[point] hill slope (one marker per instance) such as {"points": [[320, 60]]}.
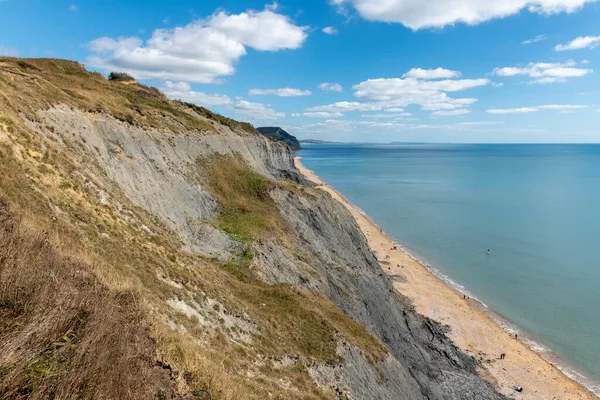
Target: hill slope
{"points": [[186, 252], [281, 135]]}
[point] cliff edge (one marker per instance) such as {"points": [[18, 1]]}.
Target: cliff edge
{"points": [[281, 135]]}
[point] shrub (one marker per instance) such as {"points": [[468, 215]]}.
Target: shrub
{"points": [[120, 77]]}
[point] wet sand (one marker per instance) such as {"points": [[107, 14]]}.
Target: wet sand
{"points": [[471, 328]]}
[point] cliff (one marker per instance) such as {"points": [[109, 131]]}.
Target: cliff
{"points": [[151, 248], [281, 135]]}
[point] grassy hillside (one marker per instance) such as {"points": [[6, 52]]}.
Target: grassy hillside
{"points": [[32, 84], [100, 301]]}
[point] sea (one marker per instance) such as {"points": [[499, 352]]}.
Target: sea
{"points": [[535, 207]]}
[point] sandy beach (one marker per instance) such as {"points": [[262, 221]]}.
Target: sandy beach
{"points": [[472, 329]]}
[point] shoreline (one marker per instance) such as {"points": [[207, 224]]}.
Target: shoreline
{"points": [[474, 328]]}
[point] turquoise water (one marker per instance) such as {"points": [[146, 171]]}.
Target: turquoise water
{"points": [[537, 207]]}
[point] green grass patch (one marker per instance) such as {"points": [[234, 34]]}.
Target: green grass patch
{"points": [[291, 324], [238, 238], [302, 323], [247, 210], [41, 368]]}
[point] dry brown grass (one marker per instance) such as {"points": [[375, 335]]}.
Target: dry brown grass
{"points": [[203, 368], [62, 333]]}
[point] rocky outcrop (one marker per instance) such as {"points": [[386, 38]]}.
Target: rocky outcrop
{"points": [[281, 135]]}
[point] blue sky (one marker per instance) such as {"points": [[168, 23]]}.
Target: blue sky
{"points": [[345, 70]]}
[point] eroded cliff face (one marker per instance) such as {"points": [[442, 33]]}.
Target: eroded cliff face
{"points": [[349, 274], [251, 282], [160, 173]]}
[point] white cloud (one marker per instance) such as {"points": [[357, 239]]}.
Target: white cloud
{"points": [[256, 111], [392, 94], [331, 87], [263, 31], [389, 89], [547, 80], [545, 72], [273, 6], [319, 114], [183, 91], [7, 51], [345, 106], [330, 125], [438, 73], [478, 123], [201, 51], [448, 104], [581, 42], [525, 110], [394, 88], [461, 126], [562, 107], [73, 7], [418, 14], [521, 110], [536, 39], [330, 30], [284, 92], [430, 95], [106, 44], [451, 113], [351, 126], [387, 115]]}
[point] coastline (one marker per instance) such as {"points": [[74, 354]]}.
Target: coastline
{"points": [[473, 327]]}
